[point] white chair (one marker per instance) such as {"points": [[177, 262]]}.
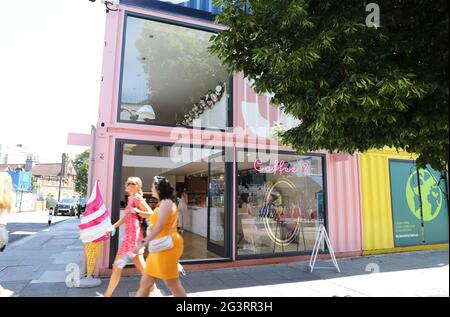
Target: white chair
{"points": [[250, 231]]}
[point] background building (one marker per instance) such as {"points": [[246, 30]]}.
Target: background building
{"points": [[47, 179], [34, 183]]}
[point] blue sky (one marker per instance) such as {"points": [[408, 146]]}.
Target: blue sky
{"points": [[50, 70]]}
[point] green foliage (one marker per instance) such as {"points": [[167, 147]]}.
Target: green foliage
{"points": [[354, 88], [81, 165], [33, 182]]}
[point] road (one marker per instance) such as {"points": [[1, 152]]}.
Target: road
{"points": [[25, 224]]}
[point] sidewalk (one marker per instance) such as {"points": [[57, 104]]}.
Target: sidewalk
{"points": [[35, 266], [27, 223]]}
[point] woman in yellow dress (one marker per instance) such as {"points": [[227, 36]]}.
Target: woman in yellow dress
{"points": [[163, 265]]}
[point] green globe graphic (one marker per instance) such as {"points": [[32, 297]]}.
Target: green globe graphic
{"points": [[431, 195]]}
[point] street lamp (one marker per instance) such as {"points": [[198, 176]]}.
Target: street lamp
{"points": [[61, 174]]}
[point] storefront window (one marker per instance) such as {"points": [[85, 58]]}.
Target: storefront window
{"points": [[280, 203], [169, 78], [198, 176]]}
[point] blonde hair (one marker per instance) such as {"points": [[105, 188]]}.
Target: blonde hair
{"points": [[138, 181], [6, 193]]}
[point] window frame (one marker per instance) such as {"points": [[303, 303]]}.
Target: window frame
{"points": [[325, 205], [117, 183], [229, 111], [172, 8]]}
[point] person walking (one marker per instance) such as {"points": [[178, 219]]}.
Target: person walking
{"points": [[163, 263], [6, 203], [136, 209], [50, 216], [244, 204]]}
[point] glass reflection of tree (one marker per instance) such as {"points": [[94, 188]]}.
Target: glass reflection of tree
{"points": [[180, 59]]}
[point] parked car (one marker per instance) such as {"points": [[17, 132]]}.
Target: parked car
{"points": [[67, 206]]}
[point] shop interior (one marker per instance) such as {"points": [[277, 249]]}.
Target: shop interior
{"points": [[170, 78], [193, 177], [297, 208]]}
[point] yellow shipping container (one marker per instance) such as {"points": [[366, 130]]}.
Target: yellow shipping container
{"points": [[376, 202]]}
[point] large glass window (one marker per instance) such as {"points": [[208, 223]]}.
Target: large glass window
{"points": [[169, 78], [280, 202], [198, 176]]}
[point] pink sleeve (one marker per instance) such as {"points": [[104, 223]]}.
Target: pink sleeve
{"points": [[137, 199]]}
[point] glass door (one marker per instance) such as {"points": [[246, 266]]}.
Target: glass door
{"points": [[217, 203]]}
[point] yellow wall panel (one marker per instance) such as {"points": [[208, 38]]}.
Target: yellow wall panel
{"points": [[376, 197]]}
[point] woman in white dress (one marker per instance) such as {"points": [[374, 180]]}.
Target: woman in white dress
{"points": [[182, 198]]}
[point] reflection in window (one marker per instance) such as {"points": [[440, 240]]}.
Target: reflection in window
{"points": [[169, 77], [280, 203]]}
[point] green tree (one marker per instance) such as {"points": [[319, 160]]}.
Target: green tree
{"points": [[81, 165], [353, 87], [34, 182]]}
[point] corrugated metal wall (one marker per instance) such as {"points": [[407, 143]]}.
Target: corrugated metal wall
{"points": [[252, 112], [344, 206], [376, 198], [256, 116]]}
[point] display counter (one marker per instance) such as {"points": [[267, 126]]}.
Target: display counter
{"points": [[197, 222]]}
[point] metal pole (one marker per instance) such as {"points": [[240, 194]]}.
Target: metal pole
{"points": [[420, 200], [446, 180], [91, 165], [61, 174], [21, 197]]}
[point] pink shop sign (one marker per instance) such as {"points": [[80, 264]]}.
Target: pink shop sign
{"points": [[280, 167]]}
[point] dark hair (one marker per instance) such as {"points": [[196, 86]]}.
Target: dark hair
{"points": [[165, 191], [243, 199], [274, 197]]}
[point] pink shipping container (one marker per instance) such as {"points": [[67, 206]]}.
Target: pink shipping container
{"points": [[240, 212]]}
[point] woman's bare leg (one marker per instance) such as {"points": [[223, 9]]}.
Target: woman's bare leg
{"points": [[139, 262], [175, 287], [145, 286], [114, 281]]}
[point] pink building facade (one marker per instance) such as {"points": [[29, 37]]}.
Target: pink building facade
{"points": [[167, 107]]}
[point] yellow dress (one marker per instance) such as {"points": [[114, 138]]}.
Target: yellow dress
{"points": [[164, 264]]}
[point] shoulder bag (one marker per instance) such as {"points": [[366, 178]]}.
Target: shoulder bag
{"points": [[164, 243]]}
